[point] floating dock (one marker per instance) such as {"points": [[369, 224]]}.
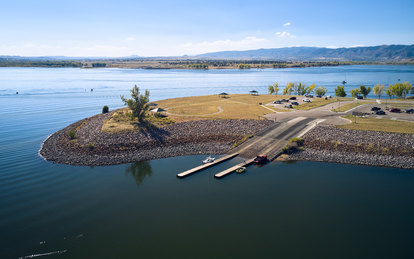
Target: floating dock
{"points": [[232, 169], [202, 167]]}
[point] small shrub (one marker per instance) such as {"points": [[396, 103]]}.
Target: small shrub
{"points": [[72, 134], [285, 150], [298, 141], [105, 109]]}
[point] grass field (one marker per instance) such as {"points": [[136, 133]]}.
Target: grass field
{"points": [[318, 102], [237, 106], [374, 124], [346, 107]]}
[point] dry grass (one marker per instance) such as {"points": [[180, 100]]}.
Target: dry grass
{"points": [[373, 124], [346, 107], [236, 106], [120, 121], [318, 102]]}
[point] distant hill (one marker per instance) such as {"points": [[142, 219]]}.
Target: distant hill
{"points": [[376, 53]]}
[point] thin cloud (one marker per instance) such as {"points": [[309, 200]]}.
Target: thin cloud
{"points": [[285, 34], [129, 38], [286, 24]]}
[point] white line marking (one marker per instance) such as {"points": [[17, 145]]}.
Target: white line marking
{"points": [[296, 120], [268, 108]]}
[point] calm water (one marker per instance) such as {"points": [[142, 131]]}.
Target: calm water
{"points": [[305, 209]]}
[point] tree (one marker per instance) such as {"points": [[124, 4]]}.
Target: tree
{"points": [[138, 103], [320, 91], [288, 89], [310, 89], [378, 90], [364, 90], [354, 92], [274, 88], [389, 91], [401, 89], [340, 91], [271, 89], [407, 88]]}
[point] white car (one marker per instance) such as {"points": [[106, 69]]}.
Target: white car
{"points": [[306, 100], [288, 105]]}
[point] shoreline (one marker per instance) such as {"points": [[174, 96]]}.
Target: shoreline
{"points": [[372, 148], [185, 138], [92, 147]]}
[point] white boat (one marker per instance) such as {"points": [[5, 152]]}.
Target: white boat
{"points": [[208, 160]]}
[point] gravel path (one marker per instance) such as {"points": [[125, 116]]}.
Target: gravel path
{"points": [[330, 144], [186, 138]]}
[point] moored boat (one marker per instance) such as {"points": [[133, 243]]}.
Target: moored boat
{"points": [[208, 160]]}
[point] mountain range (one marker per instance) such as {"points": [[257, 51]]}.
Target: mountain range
{"points": [[386, 53], [375, 53]]}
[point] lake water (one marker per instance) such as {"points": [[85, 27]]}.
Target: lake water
{"points": [[303, 209]]}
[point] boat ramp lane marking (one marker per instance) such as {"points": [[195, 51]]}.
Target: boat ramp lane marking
{"points": [[295, 120], [201, 167]]}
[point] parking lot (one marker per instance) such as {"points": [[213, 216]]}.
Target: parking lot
{"points": [[388, 115]]}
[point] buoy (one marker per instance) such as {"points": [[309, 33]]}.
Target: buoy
{"points": [[17, 92]]}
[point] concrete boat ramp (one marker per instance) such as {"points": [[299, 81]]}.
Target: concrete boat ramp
{"points": [[269, 142]]}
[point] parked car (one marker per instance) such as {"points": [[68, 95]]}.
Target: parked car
{"points": [[309, 96], [409, 111], [394, 110], [295, 103], [319, 96], [360, 97], [284, 100], [292, 98], [306, 100], [277, 102], [260, 159], [329, 96], [288, 105], [375, 108], [380, 112]]}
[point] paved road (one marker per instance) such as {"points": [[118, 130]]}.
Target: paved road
{"points": [[271, 141], [291, 124]]}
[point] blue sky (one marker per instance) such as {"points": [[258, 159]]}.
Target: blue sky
{"points": [[167, 28]]}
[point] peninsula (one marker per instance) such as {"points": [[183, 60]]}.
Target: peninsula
{"points": [[217, 124]]}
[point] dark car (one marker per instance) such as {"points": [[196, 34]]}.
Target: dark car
{"points": [[360, 97], [319, 96], [409, 111], [277, 102], [380, 112], [375, 108], [284, 100], [260, 159], [294, 103], [395, 110], [292, 98]]}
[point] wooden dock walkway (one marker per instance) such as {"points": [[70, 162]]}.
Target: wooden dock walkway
{"points": [[202, 167], [232, 169]]}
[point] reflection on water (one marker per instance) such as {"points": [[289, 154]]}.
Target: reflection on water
{"points": [[139, 170]]}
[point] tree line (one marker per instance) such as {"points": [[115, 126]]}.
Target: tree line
{"points": [[399, 90]]}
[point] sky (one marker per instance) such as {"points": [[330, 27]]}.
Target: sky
{"points": [[172, 28]]}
